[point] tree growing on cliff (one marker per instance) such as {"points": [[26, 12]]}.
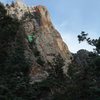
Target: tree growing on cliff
{"points": [[91, 70], [14, 66], [93, 42]]}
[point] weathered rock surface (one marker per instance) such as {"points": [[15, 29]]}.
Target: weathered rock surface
{"points": [[82, 57], [41, 36]]}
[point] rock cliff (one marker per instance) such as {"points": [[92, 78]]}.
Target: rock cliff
{"points": [[42, 41]]}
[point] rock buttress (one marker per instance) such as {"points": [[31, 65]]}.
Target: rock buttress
{"points": [[41, 38]]}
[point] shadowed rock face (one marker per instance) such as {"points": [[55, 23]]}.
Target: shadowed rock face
{"points": [[40, 34]]}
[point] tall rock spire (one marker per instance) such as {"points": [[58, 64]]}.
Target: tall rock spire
{"points": [[20, 3], [18, 0]]}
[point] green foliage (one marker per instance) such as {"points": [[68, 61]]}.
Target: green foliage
{"points": [[8, 26], [31, 38], [97, 61], [92, 42], [57, 65], [93, 68], [55, 83], [14, 67], [85, 78], [82, 37], [83, 82], [14, 72], [2, 11]]}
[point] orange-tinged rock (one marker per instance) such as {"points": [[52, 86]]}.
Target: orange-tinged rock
{"points": [[35, 21]]}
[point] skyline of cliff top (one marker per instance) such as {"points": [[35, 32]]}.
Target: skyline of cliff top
{"points": [[70, 18]]}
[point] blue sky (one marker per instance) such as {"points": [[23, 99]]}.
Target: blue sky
{"points": [[70, 17]]}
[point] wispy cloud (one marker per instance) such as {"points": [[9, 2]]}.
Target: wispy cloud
{"points": [[63, 24]]}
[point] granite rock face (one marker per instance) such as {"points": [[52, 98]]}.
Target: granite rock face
{"points": [[42, 40]]}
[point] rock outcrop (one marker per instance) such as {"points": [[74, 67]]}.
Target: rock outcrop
{"points": [[82, 57], [42, 40]]}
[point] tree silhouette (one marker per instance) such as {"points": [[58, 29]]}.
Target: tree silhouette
{"points": [[92, 42]]}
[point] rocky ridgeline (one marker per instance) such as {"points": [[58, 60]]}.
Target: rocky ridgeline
{"points": [[41, 37]]}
